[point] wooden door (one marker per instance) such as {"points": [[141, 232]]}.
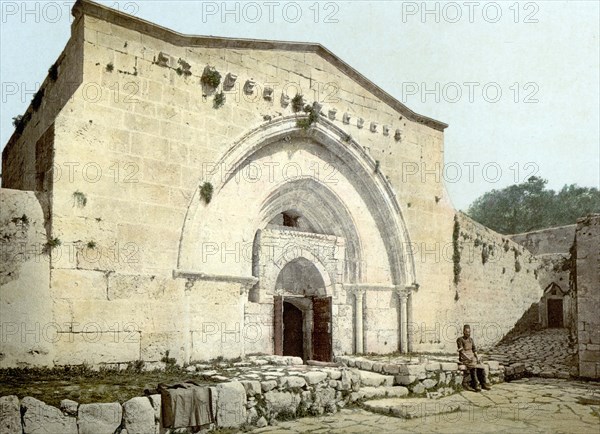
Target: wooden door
{"points": [[321, 335], [278, 325]]}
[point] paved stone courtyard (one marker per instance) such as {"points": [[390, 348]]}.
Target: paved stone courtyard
{"points": [[545, 353], [527, 405]]}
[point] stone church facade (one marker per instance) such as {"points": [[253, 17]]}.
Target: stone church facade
{"points": [[148, 212]]}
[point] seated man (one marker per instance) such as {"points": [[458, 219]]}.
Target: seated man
{"points": [[467, 355]]}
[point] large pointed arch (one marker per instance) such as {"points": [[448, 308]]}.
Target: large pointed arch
{"points": [[375, 189]]}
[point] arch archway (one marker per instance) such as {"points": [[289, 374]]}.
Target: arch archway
{"points": [[374, 190]]}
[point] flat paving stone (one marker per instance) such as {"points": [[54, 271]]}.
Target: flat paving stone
{"points": [[578, 412]]}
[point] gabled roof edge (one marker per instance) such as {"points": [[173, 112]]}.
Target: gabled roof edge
{"points": [[88, 7]]}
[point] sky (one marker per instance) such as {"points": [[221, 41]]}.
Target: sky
{"points": [[517, 82]]}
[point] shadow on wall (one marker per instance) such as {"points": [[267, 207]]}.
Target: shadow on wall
{"points": [[528, 322]]}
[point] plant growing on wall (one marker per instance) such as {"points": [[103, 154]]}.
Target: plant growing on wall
{"points": [[219, 100], [110, 67], [206, 192], [53, 72], [484, 254], [20, 122], [210, 77], [36, 102], [91, 244], [311, 119], [456, 250], [79, 199], [297, 103], [23, 220], [51, 244]]}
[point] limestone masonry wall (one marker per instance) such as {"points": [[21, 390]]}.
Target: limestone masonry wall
{"points": [[25, 298], [495, 283], [125, 137], [587, 240]]}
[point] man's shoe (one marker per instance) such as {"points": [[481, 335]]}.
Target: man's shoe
{"points": [[468, 388], [486, 386], [477, 389]]}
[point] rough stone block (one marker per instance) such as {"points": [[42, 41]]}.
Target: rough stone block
{"points": [[69, 407], [429, 383], [418, 389], [138, 416], [39, 417], [229, 404], [99, 418], [418, 370], [294, 381], [368, 378], [432, 366], [314, 377], [367, 365], [494, 366], [252, 387], [281, 401], [268, 385], [10, 416], [391, 368], [405, 379]]}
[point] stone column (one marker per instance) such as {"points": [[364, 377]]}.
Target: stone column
{"points": [[402, 296], [409, 321], [358, 320]]}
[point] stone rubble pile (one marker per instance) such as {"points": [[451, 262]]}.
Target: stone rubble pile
{"points": [[260, 391], [432, 376]]}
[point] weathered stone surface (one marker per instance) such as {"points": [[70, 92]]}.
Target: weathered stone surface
{"points": [[281, 401], [373, 379], [39, 418], [379, 392], [229, 404], [334, 374], [69, 407], [405, 379], [366, 365], [391, 368], [155, 400], [446, 366], [314, 377], [429, 383], [418, 388], [417, 370], [138, 416], [252, 387], [268, 385], [10, 416], [99, 418], [294, 381], [432, 366]]}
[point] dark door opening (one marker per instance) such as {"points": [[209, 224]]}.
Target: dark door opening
{"points": [[293, 341], [555, 313]]}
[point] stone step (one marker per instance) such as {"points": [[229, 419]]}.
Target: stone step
{"points": [[379, 392], [410, 408], [368, 378]]}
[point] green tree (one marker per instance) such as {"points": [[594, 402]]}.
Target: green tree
{"points": [[530, 206]]}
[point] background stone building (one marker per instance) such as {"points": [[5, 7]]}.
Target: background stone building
{"points": [[146, 210]]}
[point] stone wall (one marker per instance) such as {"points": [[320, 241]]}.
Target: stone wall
{"points": [[494, 284], [547, 241], [587, 241], [553, 248], [138, 135], [27, 327]]}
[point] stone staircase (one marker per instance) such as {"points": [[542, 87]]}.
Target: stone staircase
{"points": [[433, 376]]}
